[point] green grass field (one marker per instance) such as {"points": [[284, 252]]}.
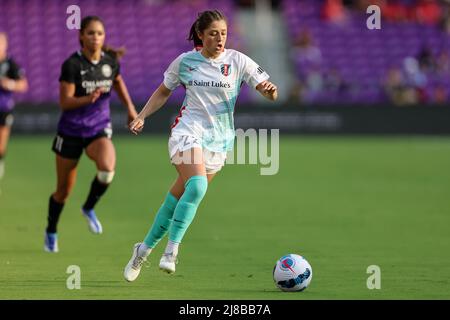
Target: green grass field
{"points": [[344, 203]]}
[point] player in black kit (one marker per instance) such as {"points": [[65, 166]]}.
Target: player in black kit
{"points": [[86, 80], [12, 79]]}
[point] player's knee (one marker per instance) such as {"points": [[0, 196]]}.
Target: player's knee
{"points": [[105, 177], [196, 187]]}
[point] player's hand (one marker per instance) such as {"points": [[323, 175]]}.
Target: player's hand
{"points": [[268, 89], [136, 125], [95, 95]]}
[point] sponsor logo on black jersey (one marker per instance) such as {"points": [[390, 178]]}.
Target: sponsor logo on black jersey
{"points": [[90, 86]]}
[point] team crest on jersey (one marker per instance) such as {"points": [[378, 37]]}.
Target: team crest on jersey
{"points": [[225, 69], [106, 70]]}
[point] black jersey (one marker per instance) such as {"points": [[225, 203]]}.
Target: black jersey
{"points": [[8, 69], [88, 76], [88, 120]]}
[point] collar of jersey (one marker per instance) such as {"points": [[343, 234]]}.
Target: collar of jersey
{"points": [[219, 59], [102, 54]]}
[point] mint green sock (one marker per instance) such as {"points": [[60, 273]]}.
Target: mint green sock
{"points": [[162, 221], [194, 191]]}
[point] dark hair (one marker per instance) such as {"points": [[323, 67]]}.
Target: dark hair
{"points": [[85, 22], [202, 23]]}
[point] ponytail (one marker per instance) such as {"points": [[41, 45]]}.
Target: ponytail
{"points": [[193, 35], [117, 53]]}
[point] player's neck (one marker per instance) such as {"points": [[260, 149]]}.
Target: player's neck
{"points": [[3, 56], [91, 55], [208, 55]]}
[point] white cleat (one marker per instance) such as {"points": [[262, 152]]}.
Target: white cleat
{"points": [[168, 262], [134, 266]]}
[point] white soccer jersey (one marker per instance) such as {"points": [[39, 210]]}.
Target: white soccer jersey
{"points": [[212, 87]]}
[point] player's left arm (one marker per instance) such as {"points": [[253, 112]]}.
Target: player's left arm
{"points": [[124, 96], [256, 77], [268, 90]]}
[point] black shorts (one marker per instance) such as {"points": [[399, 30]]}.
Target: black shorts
{"points": [[72, 147], [6, 119]]}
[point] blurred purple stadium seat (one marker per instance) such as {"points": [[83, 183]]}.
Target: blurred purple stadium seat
{"points": [[153, 34], [361, 56]]}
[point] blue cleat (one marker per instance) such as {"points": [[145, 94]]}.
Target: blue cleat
{"points": [[94, 224], [51, 242]]}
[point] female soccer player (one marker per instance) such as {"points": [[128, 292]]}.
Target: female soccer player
{"points": [[12, 79], [87, 77], [201, 134]]}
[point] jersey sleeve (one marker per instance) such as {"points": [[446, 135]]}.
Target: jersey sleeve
{"points": [[68, 72], [15, 72], [253, 74], [172, 74], [115, 63]]}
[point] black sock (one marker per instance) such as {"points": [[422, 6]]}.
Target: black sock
{"points": [[54, 210], [97, 190]]}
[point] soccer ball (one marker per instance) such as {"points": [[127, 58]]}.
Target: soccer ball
{"points": [[292, 273]]}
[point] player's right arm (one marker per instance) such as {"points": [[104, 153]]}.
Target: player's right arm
{"points": [[68, 101], [156, 101]]}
